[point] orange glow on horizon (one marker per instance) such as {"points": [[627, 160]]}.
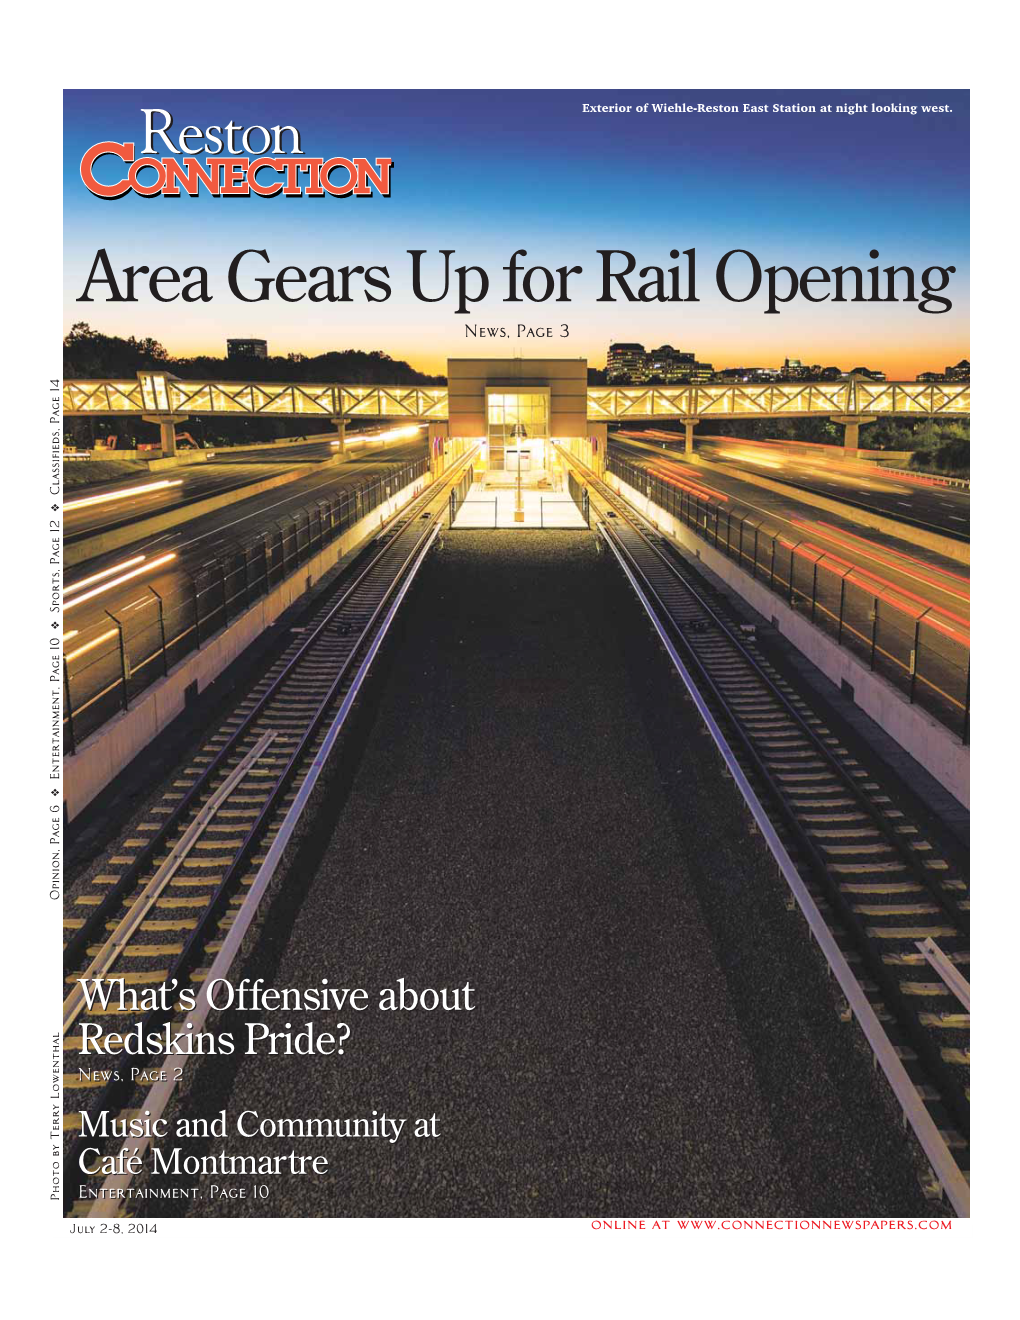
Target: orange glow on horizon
{"points": [[899, 362]]}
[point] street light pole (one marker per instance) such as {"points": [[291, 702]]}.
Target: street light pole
{"points": [[519, 434]]}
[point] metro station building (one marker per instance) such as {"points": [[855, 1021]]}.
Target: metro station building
{"points": [[516, 406]]}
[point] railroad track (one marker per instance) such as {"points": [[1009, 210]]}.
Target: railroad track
{"points": [[175, 902], [895, 906]]}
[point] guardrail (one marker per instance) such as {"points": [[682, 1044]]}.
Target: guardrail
{"points": [[924, 656], [110, 665], [932, 478]]}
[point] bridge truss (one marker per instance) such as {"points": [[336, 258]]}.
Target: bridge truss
{"points": [[160, 394]]}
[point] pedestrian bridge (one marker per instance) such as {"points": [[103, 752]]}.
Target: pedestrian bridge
{"points": [[158, 395]]}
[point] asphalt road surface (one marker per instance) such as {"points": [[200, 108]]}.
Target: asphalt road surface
{"points": [[911, 499], [192, 545], [917, 577], [528, 805], [85, 513]]}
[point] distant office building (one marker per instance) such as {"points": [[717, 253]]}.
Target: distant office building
{"points": [[869, 372], [626, 362], [960, 374], [666, 365], [672, 367], [746, 375], [247, 348], [795, 369]]}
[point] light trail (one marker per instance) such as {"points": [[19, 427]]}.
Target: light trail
{"points": [[836, 533], [399, 432], [736, 455], [705, 492], [107, 572], [116, 582], [395, 433], [864, 547], [89, 646], [855, 570], [89, 500]]}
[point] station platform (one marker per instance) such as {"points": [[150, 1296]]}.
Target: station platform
{"points": [[492, 506]]}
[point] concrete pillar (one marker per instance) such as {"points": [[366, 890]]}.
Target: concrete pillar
{"points": [[598, 436], [341, 430], [851, 433], [689, 426], [167, 431]]}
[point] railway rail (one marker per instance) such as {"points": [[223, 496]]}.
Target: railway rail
{"points": [[887, 905], [914, 643], [175, 904]]}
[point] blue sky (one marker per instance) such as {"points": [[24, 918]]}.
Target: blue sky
{"points": [[488, 172]]}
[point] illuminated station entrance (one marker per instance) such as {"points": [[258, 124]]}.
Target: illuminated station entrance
{"points": [[520, 410], [518, 430]]}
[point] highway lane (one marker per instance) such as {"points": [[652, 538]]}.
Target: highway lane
{"points": [[92, 509], [911, 499], [124, 589], [914, 577]]}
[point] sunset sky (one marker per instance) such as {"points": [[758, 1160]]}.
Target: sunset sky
{"points": [[486, 173]]}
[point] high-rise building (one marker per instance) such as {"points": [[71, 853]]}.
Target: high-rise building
{"points": [[664, 362], [626, 362], [247, 348]]}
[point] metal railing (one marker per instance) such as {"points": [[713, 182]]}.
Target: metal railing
{"points": [[110, 664], [928, 478], [924, 655], [579, 494], [161, 392]]}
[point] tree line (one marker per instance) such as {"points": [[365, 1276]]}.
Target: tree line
{"points": [[91, 355]]}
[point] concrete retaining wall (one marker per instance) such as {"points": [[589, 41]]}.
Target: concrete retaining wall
{"points": [[186, 458], [918, 733], [101, 757], [275, 445], [810, 449]]}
